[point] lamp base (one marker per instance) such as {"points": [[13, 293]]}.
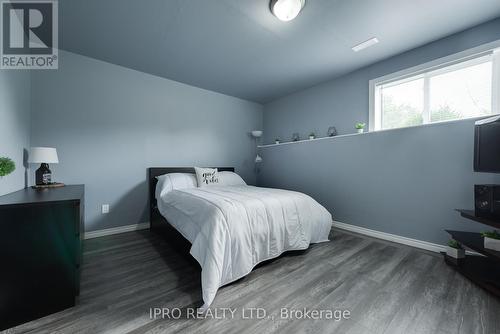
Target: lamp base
{"points": [[51, 185], [43, 175]]}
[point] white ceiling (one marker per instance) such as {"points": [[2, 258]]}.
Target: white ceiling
{"points": [[237, 47]]}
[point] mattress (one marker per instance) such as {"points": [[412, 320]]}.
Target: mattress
{"points": [[233, 228]]}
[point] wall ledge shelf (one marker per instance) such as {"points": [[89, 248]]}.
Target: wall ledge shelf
{"points": [[314, 140], [443, 123]]}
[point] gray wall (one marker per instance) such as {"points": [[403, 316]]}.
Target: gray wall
{"points": [[110, 123], [14, 125], [343, 102], [406, 182]]}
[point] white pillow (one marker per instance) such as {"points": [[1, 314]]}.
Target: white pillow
{"points": [[230, 179], [207, 176], [173, 181]]}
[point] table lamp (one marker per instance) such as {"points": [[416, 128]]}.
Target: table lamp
{"points": [[43, 156]]}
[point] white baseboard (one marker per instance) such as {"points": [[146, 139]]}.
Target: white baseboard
{"points": [[348, 227], [391, 237], [116, 230], [397, 239]]}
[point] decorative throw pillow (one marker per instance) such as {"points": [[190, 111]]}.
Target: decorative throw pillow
{"points": [[207, 176], [230, 179]]}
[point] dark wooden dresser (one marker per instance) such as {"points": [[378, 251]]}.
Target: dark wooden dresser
{"points": [[40, 252]]}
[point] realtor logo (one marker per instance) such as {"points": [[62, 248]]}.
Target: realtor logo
{"points": [[29, 36]]}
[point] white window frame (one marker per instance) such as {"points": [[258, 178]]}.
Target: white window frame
{"points": [[478, 55]]}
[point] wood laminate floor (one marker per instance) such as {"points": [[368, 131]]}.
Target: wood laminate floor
{"points": [[387, 288]]}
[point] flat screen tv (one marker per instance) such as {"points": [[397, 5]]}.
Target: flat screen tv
{"points": [[487, 145]]}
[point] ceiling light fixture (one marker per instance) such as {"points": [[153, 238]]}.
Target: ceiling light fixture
{"points": [[365, 44], [286, 10]]}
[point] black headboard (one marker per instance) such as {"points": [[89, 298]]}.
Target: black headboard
{"points": [[153, 172]]}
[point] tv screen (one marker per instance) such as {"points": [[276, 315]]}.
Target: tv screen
{"points": [[487, 145]]}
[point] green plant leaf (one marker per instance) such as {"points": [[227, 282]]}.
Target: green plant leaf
{"points": [[491, 235], [454, 244], [360, 126], [7, 166]]}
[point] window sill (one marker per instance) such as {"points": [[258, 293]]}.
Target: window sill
{"points": [[470, 119]]}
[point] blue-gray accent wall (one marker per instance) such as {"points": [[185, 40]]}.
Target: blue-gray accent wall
{"points": [[342, 102], [405, 182], [110, 123], [15, 109]]}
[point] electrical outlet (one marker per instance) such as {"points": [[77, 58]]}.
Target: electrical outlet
{"points": [[105, 208]]}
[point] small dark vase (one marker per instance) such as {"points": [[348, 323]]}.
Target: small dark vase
{"points": [[43, 175], [332, 131]]}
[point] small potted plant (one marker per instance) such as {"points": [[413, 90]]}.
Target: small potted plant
{"points": [[360, 127], [492, 240], [312, 136], [455, 250], [277, 141], [7, 166]]}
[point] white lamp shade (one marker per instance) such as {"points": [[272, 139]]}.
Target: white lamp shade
{"points": [[258, 159], [43, 155]]}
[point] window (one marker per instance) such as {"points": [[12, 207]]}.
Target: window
{"points": [[452, 90]]}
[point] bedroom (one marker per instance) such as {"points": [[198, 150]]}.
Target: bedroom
{"points": [[129, 92]]}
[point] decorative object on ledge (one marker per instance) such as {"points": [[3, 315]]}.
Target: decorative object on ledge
{"points": [[43, 156], [491, 240], [277, 141], [360, 127], [258, 159], [332, 131], [296, 136], [7, 166], [312, 136], [455, 252]]}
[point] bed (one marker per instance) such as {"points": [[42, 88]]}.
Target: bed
{"points": [[231, 229]]}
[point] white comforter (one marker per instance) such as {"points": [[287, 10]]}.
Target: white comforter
{"points": [[233, 228]]}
